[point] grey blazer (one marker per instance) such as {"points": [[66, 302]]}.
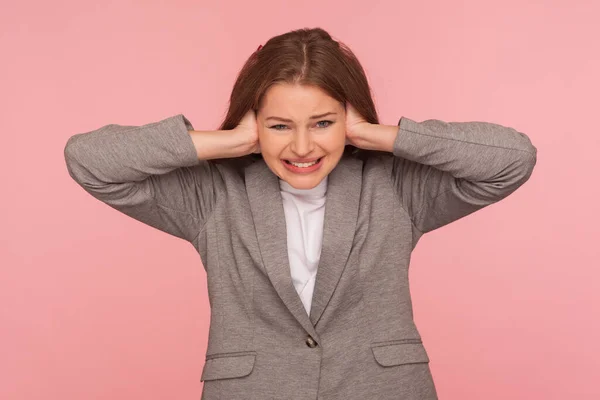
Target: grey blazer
{"points": [[359, 341]]}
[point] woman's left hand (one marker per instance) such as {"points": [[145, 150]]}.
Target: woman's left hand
{"points": [[354, 123]]}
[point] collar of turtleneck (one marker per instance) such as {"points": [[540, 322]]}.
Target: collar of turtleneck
{"points": [[316, 192]]}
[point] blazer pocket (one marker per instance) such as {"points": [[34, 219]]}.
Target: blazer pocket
{"points": [[228, 365], [398, 352]]}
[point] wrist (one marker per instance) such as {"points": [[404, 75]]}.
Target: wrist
{"points": [[240, 143], [375, 136], [219, 144]]}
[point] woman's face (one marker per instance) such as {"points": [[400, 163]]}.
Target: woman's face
{"points": [[287, 132]]}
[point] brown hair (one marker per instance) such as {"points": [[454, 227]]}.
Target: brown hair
{"points": [[307, 57]]}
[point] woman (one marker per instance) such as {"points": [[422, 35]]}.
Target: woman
{"points": [[305, 211]]}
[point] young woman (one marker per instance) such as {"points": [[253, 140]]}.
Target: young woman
{"points": [[305, 211]]}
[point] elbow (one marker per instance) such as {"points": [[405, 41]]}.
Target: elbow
{"points": [[511, 178], [520, 174], [528, 164], [72, 159], [529, 158], [69, 152], [70, 149]]}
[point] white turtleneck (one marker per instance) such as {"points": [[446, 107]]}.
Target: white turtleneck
{"points": [[304, 214]]}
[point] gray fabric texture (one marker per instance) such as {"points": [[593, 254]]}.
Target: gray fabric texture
{"points": [[377, 209]]}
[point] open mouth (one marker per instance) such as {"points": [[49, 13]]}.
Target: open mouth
{"points": [[303, 168], [304, 165]]}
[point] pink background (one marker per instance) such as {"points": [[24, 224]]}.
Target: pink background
{"points": [[95, 305]]}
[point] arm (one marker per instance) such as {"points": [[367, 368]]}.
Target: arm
{"points": [[152, 173], [443, 171]]}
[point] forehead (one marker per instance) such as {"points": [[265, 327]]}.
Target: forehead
{"points": [[287, 100]]}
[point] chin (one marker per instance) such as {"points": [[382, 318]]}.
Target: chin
{"points": [[305, 183]]}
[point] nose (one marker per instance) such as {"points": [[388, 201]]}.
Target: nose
{"points": [[302, 143]]}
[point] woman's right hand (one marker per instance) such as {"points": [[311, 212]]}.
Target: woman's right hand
{"points": [[237, 142], [248, 129]]}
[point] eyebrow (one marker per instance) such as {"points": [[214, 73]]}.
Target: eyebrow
{"points": [[313, 117]]}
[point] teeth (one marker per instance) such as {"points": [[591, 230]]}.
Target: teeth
{"points": [[304, 165]]}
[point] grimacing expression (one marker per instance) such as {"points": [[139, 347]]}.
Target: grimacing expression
{"points": [[287, 132]]}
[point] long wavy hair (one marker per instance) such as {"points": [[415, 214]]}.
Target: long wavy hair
{"points": [[306, 57]]}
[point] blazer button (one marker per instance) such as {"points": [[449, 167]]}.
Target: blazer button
{"points": [[310, 342]]}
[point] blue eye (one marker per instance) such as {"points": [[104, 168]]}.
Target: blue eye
{"points": [[329, 123]]}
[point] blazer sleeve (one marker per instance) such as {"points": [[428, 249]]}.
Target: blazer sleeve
{"points": [[443, 171], [151, 173]]}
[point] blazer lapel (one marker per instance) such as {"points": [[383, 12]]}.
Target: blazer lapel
{"points": [[341, 213], [266, 204]]}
